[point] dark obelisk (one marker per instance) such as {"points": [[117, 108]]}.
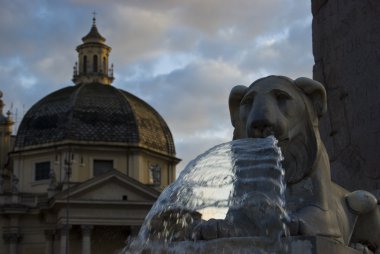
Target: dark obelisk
{"points": [[346, 47]]}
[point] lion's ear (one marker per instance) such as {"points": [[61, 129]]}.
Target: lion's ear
{"points": [[315, 91], [236, 95]]}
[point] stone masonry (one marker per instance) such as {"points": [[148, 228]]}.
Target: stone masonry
{"points": [[346, 38]]}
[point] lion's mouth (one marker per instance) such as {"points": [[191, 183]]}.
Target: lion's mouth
{"points": [[283, 143], [283, 140]]}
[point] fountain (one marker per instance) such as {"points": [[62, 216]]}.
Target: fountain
{"points": [[268, 190], [215, 195]]}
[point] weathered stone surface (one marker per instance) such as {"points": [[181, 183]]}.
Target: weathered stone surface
{"points": [[346, 37], [246, 245], [317, 245]]}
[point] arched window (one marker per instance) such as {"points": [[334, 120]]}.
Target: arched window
{"points": [[104, 65], [95, 64], [84, 64]]}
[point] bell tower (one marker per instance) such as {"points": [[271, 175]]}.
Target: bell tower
{"points": [[6, 124], [92, 65]]}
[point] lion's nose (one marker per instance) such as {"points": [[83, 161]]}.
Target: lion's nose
{"points": [[260, 129]]}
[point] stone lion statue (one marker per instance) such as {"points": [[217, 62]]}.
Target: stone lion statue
{"points": [[290, 110]]}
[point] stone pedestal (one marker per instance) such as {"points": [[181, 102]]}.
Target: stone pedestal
{"points": [[318, 245], [346, 37], [248, 245]]}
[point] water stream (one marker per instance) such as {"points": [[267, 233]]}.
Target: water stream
{"points": [[237, 186]]}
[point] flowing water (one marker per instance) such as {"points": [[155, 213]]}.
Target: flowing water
{"points": [[235, 189]]}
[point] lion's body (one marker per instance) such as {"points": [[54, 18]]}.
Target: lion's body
{"points": [[290, 110]]}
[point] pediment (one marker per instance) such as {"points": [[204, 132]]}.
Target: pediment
{"points": [[112, 186]]}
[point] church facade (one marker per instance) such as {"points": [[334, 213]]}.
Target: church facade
{"points": [[86, 165]]}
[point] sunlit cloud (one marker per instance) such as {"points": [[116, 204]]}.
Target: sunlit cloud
{"points": [[27, 82]]}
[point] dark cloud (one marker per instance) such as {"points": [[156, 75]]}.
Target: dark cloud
{"points": [[182, 57]]}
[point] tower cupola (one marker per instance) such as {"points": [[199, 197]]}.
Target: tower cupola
{"points": [[93, 64]]}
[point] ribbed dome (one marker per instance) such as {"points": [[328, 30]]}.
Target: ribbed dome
{"points": [[94, 113]]}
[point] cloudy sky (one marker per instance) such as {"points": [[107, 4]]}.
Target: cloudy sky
{"points": [[181, 56]]}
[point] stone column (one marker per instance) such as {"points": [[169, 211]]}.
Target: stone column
{"points": [[65, 230], [13, 240], [86, 239], [13, 243], [49, 245]]}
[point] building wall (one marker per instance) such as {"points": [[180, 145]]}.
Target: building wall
{"points": [[166, 168], [33, 235], [112, 217], [24, 170], [111, 227], [134, 163]]}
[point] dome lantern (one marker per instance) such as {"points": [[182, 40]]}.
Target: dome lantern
{"points": [[93, 54]]}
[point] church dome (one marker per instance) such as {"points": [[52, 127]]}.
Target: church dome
{"points": [[94, 113]]}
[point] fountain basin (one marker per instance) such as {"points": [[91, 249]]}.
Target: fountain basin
{"points": [[250, 245]]}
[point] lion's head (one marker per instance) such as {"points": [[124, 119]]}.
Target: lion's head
{"points": [[289, 110]]}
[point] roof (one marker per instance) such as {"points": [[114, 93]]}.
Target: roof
{"points": [[94, 113], [112, 198], [94, 35]]}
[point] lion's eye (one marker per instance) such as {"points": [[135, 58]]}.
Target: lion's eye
{"points": [[282, 96]]}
